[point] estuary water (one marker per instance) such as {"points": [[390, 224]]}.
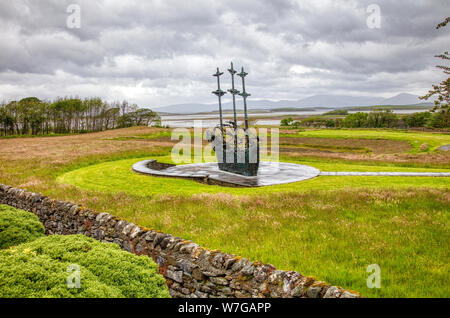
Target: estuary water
{"points": [[212, 119]]}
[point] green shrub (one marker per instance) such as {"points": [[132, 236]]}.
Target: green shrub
{"points": [[41, 268], [336, 112], [286, 121], [355, 120], [314, 121], [439, 119], [18, 226], [381, 118], [417, 119]]}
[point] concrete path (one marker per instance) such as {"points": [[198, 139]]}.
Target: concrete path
{"points": [[388, 174], [269, 173]]}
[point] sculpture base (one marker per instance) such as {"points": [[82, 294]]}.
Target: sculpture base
{"points": [[245, 169], [269, 173], [245, 162]]}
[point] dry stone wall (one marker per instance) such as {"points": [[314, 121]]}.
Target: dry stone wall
{"points": [[190, 270]]}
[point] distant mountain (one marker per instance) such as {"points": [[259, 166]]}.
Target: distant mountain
{"points": [[402, 99], [186, 108], [328, 101], [338, 101]]}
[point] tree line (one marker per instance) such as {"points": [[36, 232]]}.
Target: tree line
{"points": [[31, 116], [383, 118]]}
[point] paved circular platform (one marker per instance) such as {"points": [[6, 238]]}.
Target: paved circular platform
{"points": [[269, 173]]}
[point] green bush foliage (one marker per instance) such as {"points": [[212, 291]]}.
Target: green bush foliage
{"points": [[18, 226], [355, 120], [41, 268], [379, 118], [439, 119], [337, 112], [318, 121], [287, 121], [31, 116], [417, 119]]}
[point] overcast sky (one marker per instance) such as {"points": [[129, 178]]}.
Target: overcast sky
{"points": [[156, 53]]}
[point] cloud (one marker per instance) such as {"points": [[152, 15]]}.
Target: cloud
{"points": [[158, 52]]}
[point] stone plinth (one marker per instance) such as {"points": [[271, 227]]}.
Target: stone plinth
{"points": [[269, 173]]}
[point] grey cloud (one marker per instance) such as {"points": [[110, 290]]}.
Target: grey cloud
{"points": [[160, 52]]}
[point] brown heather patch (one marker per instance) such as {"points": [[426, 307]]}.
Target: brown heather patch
{"points": [[322, 206], [64, 149], [331, 200], [59, 151], [212, 200], [31, 182], [445, 197], [383, 197], [377, 146], [293, 214], [439, 160]]}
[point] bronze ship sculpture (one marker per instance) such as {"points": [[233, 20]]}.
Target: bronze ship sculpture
{"points": [[236, 148]]}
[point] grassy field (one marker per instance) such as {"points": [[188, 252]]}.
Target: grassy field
{"points": [[328, 227], [415, 139], [117, 176]]}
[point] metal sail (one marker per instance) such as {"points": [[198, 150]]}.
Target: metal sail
{"points": [[219, 93], [244, 95], [250, 163], [233, 91]]}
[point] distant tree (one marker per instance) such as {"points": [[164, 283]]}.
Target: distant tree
{"points": [[329, 123], [439, 119], [70, 115], [12, 109], [296, 124], [111, 117], [355, 120], [140, 117], [28, 112], [442, 90], [287, 121], [383, 118], [417, 119], [6, 122], [336, 112], [145, 117], [125, 120], [124, 107]]}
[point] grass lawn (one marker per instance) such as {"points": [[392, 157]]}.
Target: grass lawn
{"points": [[117, 176], [329, 227]]}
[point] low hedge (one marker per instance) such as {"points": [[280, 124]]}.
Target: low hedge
{"points": [[18, 226], [42, 267]]}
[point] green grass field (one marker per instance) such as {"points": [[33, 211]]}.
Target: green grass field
{"points": [[330, 234], [328, 227], [117, 176], [434, 140]]}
